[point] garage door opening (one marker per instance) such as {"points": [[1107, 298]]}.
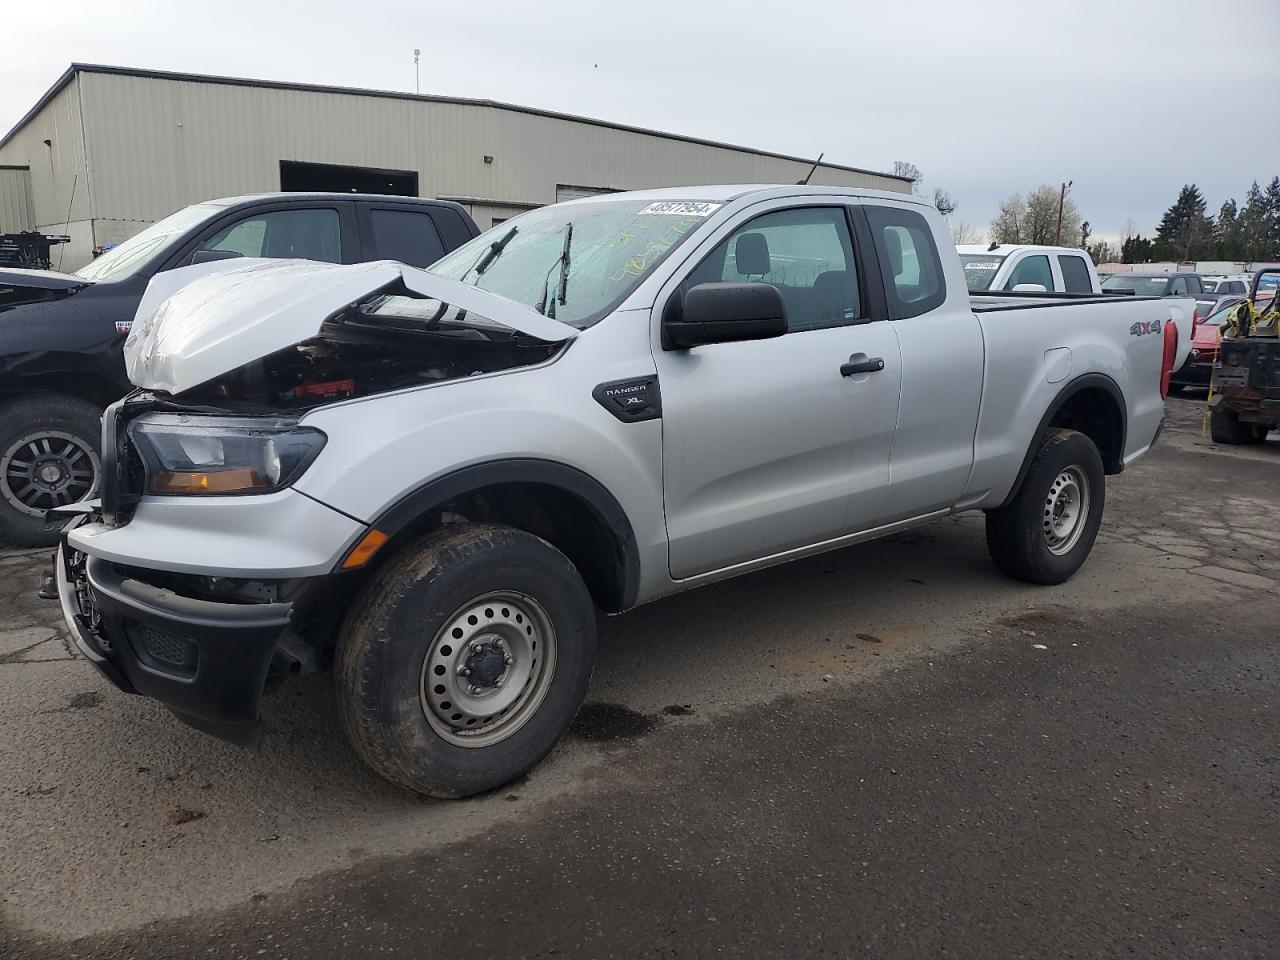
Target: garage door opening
{"points": [[299, 177]]}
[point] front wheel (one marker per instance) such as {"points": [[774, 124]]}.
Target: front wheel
{"points": [[48, 458], [465, 659], [1045, 533]]}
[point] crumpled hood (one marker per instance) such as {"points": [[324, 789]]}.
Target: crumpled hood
{"points": [[196, 323]]}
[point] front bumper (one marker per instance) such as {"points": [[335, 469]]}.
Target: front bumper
{"points": [[204, 660]]}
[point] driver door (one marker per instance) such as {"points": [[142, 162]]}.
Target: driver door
{"points": [[767, 446]]}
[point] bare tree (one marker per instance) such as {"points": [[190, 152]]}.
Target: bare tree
{"points": [[1007, 227], [942, 200], [965, 233], [901, 168]]}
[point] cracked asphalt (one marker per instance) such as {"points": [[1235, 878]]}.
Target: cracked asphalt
{"points": [[890, 751]]}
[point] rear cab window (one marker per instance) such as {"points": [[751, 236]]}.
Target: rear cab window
{"points": [[408, 236], [1075, 274], [909, 261]]}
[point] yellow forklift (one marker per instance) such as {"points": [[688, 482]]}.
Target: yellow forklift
{"points": [[1244, 396]]}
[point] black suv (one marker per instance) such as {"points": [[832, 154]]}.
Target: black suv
{"points": [[62, 335]]}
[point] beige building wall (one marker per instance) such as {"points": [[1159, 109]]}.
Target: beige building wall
{"points": [[152, 144]]}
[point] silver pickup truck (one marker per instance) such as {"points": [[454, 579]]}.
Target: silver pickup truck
{"points": [[430, 481]]}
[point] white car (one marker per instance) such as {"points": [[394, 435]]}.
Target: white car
{"points": [[1235, 284], [1027, 268]]}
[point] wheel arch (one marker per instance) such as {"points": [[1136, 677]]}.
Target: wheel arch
{"points": [[569, 509], [1092, 404]]}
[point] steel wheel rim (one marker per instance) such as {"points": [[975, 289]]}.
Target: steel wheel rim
{"points": [[488, 669], [46, 469], [1066, 511]]}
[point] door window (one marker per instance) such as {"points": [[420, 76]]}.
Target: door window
{"points": [[806, 253], [909, 262], [1179, 285], [407, 236], [301, 234], [1031, 270], [1075, 275]]}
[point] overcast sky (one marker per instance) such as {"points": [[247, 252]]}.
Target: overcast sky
{"points": [[1128, 99]]}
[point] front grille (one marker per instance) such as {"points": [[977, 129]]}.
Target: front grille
{"points": [[169, 648]]}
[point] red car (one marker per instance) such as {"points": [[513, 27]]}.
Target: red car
{"points": [[1206, 335]]}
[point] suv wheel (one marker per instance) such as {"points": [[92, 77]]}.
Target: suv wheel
{"points": [[465, 659], [48, 458], [1045, 533]]}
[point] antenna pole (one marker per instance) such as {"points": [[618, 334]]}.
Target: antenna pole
{"points": [[801, 183]]}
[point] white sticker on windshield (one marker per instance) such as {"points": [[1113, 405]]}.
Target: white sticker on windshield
{"points": [[681, 208], [994, 265]]}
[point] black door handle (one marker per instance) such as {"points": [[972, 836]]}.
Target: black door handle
{"points": [[868, 365]]}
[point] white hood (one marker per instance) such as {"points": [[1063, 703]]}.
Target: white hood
{"points": [[196, 323]]}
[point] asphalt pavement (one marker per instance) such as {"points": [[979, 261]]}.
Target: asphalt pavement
{"points": [[891, 751]]}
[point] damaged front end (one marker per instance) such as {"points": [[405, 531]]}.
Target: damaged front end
{"points": [[172, 586]]}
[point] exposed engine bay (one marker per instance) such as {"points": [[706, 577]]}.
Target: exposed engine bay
{"points": [[391, 342]]}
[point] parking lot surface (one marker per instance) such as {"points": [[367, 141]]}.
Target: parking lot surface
{"points": [[887, 751]]}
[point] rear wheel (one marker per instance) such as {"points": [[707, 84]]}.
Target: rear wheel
{"points": [[1045, 533], [464, 661], [48, 458], [1225, 426]]}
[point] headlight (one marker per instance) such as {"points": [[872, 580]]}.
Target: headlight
{"points": [[222, 455]]}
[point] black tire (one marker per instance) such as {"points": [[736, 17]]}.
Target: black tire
{"points": [[64, 423], [1019, 534], [395, 628], [1225, 426]]}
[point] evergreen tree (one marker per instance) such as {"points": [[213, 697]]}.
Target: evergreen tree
{"points": [[1254, 225], [1185, 233], [1136, 250], [1272, 200], [1226, 232]]}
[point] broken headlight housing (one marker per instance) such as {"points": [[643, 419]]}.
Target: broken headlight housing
{"points": [[196, 455]]}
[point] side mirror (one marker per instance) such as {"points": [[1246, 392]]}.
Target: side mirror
{"points": [[1030, 288], [212, 256], [723, 313]]}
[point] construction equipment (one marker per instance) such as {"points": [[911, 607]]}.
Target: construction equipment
{"points": [[28, 249], [1244, 396]]}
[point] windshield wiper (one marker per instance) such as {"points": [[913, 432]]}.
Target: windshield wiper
{"points": [[562, 262], [490, 254]]}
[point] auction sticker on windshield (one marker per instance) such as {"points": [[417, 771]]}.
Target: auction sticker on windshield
{"points": [[680, 208], [982, 265]]}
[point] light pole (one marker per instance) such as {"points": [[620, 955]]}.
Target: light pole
{"points": [[417, 88], [1062, 199]]}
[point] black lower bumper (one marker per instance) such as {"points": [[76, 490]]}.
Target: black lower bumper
{"points": [[206, 661]]}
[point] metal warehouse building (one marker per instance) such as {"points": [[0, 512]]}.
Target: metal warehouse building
{"points": [[109, 150]]}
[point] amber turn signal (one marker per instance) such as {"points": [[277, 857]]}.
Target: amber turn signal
{"points": [[365, 549], [243, 480]]}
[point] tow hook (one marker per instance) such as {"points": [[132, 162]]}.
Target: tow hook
{"points": [[48, 585]]}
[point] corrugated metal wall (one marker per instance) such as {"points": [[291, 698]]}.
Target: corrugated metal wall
{"points": [[58, 173], [17, 211], [159, 144]]}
